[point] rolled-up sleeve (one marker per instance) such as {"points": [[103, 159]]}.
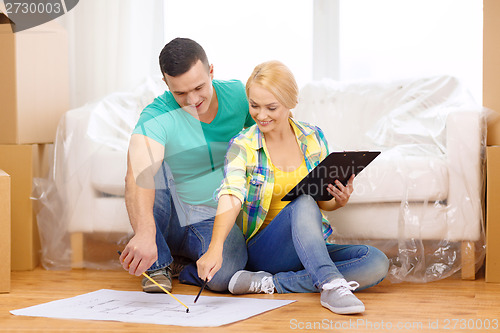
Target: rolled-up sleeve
{"points": [[323, 143], [235, 180]]}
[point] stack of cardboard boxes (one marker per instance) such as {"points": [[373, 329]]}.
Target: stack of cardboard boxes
{"points": [[4, 232], [34, 93], [491, 100]]}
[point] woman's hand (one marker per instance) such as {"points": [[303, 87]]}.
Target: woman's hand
{"points": [[209, 263], [227, 212], [341, 193]]}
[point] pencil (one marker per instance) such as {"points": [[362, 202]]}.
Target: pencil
{"points": [[199, 292], [165, 290]]}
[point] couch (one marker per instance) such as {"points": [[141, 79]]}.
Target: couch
{"points": [[419, 201], [85, 193]]}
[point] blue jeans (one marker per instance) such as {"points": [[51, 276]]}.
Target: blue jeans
{"points": [[186, 230], [292, 248]]}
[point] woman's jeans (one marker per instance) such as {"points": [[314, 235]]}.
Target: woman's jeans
{"points": [[292, 248], [186, 230]]}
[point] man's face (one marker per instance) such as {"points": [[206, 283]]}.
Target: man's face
{"points": [[192, 90]]}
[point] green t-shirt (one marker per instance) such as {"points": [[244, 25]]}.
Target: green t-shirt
{"points": [[195, 150]]}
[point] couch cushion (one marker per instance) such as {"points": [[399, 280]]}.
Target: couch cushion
{"points": [[393, 177], [376, 114], [391, 221], [108, 171], [102, 214]]}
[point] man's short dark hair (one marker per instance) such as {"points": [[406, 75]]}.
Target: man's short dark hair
{"points": [[179, 55]]}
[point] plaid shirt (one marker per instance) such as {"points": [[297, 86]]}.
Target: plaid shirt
{"points": [[249, 177]]}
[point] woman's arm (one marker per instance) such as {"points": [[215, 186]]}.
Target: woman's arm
{"points": [[341, 195], [227, 211], [231, 195]]}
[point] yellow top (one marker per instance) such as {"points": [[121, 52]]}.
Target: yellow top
{"points": [[283, 182]]}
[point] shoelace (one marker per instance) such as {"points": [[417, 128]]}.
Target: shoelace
{"points": [[176, 268], [266, 285], [157, 272], [343, 287], [162, 271]]}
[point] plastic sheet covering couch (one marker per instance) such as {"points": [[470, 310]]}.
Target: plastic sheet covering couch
{"points": [[420, 201], [85, 192]]}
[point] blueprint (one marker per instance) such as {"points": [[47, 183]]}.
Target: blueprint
{"points": [[140, 307]]}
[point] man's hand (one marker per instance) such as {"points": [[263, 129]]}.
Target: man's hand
{"points": [[139, 254], [144, 159]]}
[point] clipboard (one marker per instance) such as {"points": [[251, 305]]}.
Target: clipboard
{"points": [[337, 165]]}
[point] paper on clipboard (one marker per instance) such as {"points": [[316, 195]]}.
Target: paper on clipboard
{"points": [[337, 165]]}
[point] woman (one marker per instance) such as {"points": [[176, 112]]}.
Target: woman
{"points": [[285, 240]]}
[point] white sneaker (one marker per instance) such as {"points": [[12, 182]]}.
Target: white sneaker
{"points": [[338, 298], [245, 282]]}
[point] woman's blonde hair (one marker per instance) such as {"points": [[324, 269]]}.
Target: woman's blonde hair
{"points": [[278, 79]]}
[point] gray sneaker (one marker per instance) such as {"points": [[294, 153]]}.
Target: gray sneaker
{"points": [[162, 276], [245, 282], [337, 297]]}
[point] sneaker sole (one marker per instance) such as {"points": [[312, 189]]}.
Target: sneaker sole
{"points": [[347, 310]]}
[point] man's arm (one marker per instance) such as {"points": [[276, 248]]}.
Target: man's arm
{"points": [[145, 157]]}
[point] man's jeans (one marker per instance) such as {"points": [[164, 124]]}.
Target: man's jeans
{"points": [[186, 230], [292, 248]]}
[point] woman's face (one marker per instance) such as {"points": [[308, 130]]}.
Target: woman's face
{"points": [[268, 113]]}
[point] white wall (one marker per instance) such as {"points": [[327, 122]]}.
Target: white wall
{"points": [[388, 39], [238, 35], [113, 46], [340, 39]]}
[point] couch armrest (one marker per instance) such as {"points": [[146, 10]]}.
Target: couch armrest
{"points": [[465, 141]]}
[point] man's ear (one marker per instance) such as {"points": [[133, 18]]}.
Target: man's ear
{"points": [[211, 71], [165, 80]]}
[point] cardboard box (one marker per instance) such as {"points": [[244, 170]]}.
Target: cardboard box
{"points": [[23, 162], [491, 67], [493, 214], [4, 232], [34, 82]]}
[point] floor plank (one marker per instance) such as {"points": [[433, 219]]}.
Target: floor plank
{"points": [[450, 305]]}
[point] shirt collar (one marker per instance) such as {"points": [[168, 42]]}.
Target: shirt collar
{"points": [[301, 132]]}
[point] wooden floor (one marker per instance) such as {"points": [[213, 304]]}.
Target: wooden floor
{"points": [[450, 305]]}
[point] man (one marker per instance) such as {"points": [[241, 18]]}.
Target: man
{"points": [[175, 163]]}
